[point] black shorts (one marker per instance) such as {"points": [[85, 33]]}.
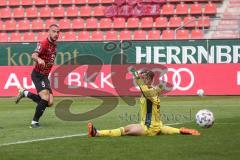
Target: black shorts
{"points": [[40, 81]]}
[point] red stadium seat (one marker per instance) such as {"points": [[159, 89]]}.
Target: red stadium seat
{"points": [[203, 21], [65, 23], [196, 8], [14, 2], [119, 22], [70, 36], [83, 36], [32, 12], [78, 23], [154, 35], [50, 22], [61, 37], [27, 2], [125, 35], [107, 1], [161, 22], [97, 36], [139, 35], [53, 2], [80, 2], [41, 36], [175, 22], [18, 12], [24, 24], [111, 11], [1, 25], [197, 34], [105, 23], [10, 25], [85, 11], [58, 12], [168, 9], [28, 37], [3, 3], [182, 9], [189, 21], [147, 22], [64, 2], [210, 8], [72, 11], [15, 37], [40, 2], [37, 24], [98, 11], [91, 23], [124, 10], [112, 35], [5, 12], [45, 12], [133, 22], [182, 34], [3, 37], [168, 34], [93, 1]]}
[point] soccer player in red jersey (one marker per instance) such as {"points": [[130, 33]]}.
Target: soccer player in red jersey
{"points": [[44, 56]]}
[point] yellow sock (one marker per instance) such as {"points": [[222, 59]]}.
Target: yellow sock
{"points": [[169, 130], [111, 133]]}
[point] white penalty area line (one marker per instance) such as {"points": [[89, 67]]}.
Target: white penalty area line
{"points": [[59, 137], [43, 139]]}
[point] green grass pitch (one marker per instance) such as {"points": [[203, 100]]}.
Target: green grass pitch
{"points": [[220, 142]]}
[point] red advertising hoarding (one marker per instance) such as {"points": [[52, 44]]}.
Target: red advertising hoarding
{"points": [[107, 80]]}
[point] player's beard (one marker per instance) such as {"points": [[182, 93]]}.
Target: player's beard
{"points": [[53, 40]]}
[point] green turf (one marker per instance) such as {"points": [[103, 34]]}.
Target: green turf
{"points": [[220, 142]]}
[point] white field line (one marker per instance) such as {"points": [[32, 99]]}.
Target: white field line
{"points": [[59, 137], [53, 138], [43, 139]]}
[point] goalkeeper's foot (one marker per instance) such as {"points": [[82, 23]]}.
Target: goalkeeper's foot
{"points": [[20, 95], [92, 131], [189, 131]]}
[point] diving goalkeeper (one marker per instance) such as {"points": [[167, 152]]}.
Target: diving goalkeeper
{"points": [[151, 124]]}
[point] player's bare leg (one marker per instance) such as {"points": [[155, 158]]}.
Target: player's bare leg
{"points": [[50, 101], [134, 130]]}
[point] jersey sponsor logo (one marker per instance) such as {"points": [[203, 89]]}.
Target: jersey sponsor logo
{"points": [[43, 84]]}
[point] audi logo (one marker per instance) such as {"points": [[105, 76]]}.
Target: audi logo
{"points": [[177, 78]]}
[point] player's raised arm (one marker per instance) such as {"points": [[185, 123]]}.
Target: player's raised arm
{"points": [[144, 81]]}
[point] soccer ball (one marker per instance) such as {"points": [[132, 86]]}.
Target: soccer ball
{"points": [[204, 118], [200, 92]]}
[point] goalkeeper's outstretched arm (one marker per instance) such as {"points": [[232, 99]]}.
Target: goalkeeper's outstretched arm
{"points": [[147, 91]]}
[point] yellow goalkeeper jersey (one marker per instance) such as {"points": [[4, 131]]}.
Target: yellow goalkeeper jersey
{"points": [[149, 105]]}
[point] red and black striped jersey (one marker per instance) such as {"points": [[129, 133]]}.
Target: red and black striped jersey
{"points": [[46, 51]]}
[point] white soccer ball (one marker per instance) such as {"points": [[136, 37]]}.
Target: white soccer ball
{"points": [[200, 92], [204, 118]]}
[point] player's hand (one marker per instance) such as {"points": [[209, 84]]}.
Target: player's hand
{"points": [[40, 61], [134, 72]]}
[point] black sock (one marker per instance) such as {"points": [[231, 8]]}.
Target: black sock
{"points": [[36, 98], [40, 109]]}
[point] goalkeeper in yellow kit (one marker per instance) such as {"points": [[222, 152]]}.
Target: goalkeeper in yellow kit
{"points": [[151, 124]]}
